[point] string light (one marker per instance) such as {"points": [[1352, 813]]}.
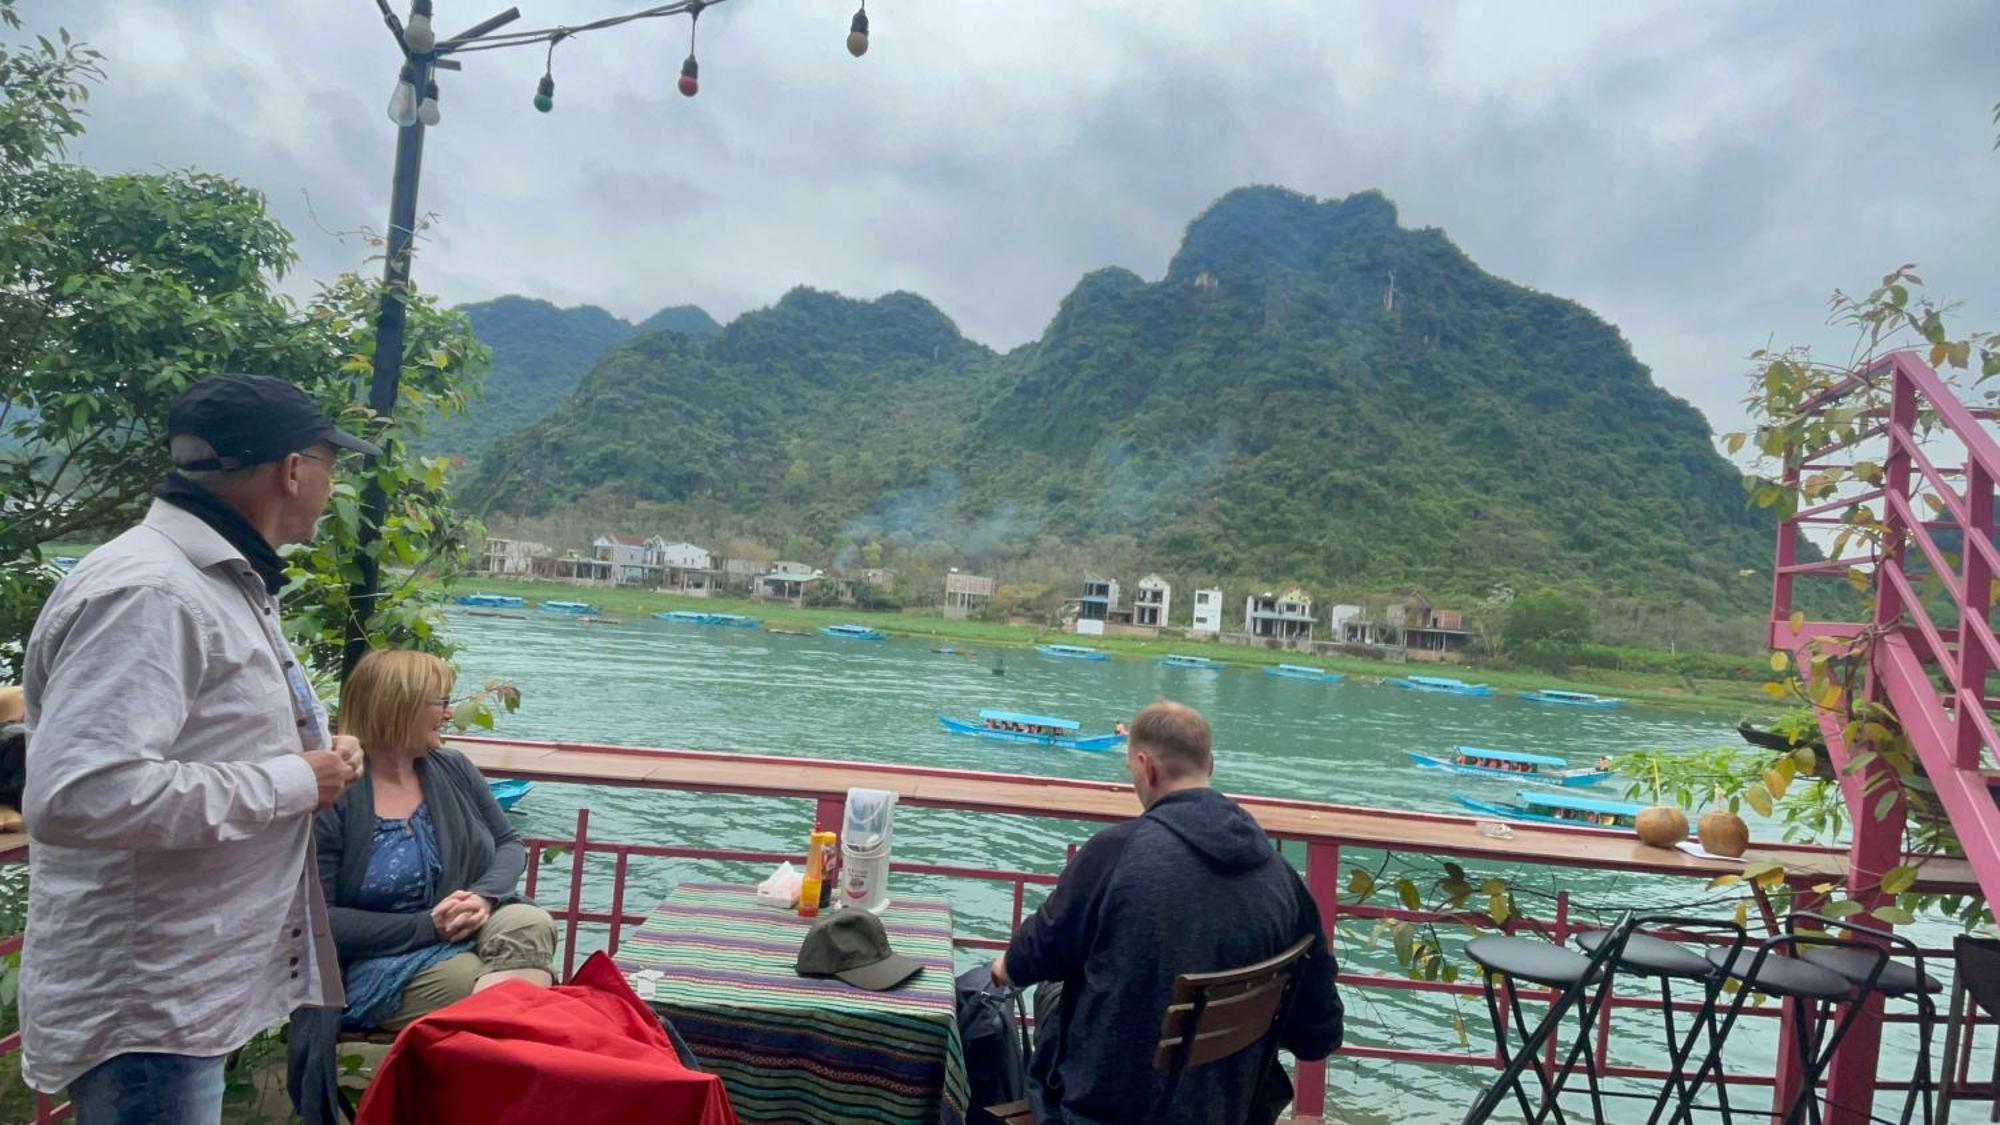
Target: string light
{"points": [[857, 33], [403, 101], [418, 35], [690, 81], [427, 110], [545, 90]]}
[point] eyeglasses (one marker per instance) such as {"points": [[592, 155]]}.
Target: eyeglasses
{"points": [[339, 462]]}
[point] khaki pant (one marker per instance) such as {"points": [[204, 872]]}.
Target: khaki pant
{"points": [[517, 936]]}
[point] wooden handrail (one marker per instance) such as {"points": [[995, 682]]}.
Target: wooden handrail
{"points": [[755, 775]]}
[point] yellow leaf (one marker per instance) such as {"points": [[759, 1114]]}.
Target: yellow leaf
{"points": [[1774, 690], [1734, 442], [1804, 758], [1759, 798], [1458, 1022], [1829, 697], [1779, 662], [1501, 910], [1898, 879], [1743, 913], [1775, 783], [1798, 621]]}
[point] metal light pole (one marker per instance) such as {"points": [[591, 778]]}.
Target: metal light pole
{"points": [[382, 389]]}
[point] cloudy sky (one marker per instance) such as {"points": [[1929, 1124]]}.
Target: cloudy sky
{"points": [[1700, 174]]}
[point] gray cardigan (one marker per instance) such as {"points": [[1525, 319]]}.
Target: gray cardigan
{"points": [[480, 851]]}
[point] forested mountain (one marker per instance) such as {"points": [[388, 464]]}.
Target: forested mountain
{"points": [[1311, 393], [540, 352]]}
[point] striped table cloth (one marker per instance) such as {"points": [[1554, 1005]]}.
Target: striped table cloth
{"points": [[804, 1049]]}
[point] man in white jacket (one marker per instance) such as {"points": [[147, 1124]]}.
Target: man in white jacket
{"points": [[178, 755]]}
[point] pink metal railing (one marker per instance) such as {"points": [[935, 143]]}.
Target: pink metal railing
{"points": [[1322, 869], [1950, 727], [1321, 859]]}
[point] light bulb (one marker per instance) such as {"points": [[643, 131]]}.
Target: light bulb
{"points": [[690, 77], [857, 34], [403, 103], [545, 93], [427, 110], [418, 35]]}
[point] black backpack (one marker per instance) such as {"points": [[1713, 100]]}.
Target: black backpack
{"points": [[993, 1026]]}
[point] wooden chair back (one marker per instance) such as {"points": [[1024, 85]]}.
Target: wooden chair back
{"points": [[1214, 1016]]}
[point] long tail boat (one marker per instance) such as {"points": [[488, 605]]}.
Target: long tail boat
{"points": [[1013, 726], [1571, 698], [1441, 684], [1072, 652], [1304, 672], [1566, 809], [1511, 765]]}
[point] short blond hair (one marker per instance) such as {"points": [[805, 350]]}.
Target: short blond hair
{"points": [[13, 703], [383, 701], [1174, 735]]}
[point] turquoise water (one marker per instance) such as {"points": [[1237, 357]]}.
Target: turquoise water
{"points": [[648, 683]]}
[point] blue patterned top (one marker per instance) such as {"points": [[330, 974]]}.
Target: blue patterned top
{"points": [[401, 878]]}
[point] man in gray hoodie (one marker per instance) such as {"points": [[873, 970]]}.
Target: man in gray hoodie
{"points": [[1192, 885]]}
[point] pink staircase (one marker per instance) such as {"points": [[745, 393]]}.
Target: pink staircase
{"points": [[1934, 656], [1933, 651]]}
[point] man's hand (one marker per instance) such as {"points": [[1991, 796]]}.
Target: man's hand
{"points": [[333, 772], [1000, 970], [349, 749]]}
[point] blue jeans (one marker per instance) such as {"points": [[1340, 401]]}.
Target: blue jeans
{"points": [[143, 1088]]}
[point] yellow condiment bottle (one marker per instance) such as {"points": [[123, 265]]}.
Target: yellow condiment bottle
{"points": [[815, 874]]}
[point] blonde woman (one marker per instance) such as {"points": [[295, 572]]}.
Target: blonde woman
{"points": [[13, 756], [419, 866]]}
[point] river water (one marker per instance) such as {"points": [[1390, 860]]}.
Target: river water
{"points": [[649, 683]]}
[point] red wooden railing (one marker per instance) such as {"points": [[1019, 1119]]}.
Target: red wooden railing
{"points": [[1932, 657]]}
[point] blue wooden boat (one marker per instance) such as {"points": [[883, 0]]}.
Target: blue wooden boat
{"points": [[1565, 809], [698, 617], [1571, 698], [1198, 663], [490, 601], [852, 632], [1041, 730], [1443, 684], [509, 790], [1511, 765], [1304, 672], [571, 609], [1072, 652]]}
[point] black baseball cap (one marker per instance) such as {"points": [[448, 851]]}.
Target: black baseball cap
{"points": [[852, 946], [252, 419]]}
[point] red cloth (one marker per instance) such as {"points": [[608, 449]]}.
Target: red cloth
{"points": [[586, 1052]]}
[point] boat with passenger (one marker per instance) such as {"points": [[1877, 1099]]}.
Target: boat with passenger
{"points": [[699, 617], [569, 609], [1444, 684], [1195, 663], [1014, 726], [1072, 652], [1566, 809], [1304, 672], [851, 632], [1477, 761], [1571, 698], [491, 601]]}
